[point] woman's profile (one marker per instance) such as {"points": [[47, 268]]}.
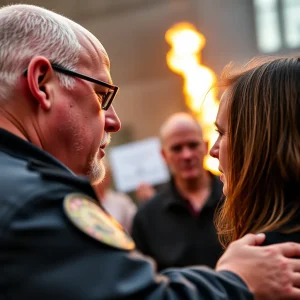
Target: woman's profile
{"points": [[259, 150]]}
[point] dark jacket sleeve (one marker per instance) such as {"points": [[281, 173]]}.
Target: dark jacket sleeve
{"points": [[43, 256]]}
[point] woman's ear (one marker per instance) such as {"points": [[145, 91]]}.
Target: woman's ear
{"points": [[39, 76]]}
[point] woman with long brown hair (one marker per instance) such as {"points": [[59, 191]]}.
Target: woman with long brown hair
{"points": [[259, 150]]}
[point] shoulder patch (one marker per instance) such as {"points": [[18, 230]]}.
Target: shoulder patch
{"points": [[86, 214]]}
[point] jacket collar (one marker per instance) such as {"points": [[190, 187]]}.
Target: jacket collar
{"points": [[174, 198], [17, 147]]}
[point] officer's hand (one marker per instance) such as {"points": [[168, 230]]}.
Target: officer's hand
{"points": [[269, 271]]}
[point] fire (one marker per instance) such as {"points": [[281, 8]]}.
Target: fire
{"points": [[184, 58]]}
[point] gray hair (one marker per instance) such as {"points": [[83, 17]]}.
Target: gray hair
{"points": [[28, 31]]}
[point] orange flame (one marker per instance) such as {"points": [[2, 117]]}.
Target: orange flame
{"points": [[184, 58]]}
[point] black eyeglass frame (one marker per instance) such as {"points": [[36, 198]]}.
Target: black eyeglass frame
{"points": [[110, 95]]}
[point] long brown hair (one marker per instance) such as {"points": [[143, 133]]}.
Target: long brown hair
{"points": [[264, 149]]}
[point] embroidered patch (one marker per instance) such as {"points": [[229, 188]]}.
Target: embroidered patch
{"points": [[90, 218]]}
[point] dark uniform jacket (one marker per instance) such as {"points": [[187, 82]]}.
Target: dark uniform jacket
{"points": [[166, 228], [44, 256]]}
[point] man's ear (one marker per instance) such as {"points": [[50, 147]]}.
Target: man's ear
{"points": [[163, 154], [39, 76]]}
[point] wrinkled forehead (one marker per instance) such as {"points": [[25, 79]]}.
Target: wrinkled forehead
{"points": [[94, 47], [92, 53]]}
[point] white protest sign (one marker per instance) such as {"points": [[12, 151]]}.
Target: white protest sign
{"points": [[138, 162]]}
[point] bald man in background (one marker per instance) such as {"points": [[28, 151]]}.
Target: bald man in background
{"points": [[176, 227]]}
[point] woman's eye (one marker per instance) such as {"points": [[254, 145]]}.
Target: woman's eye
{"points": [[219, 132]]}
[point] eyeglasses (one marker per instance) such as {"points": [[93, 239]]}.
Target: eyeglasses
{"points": [[107, 98]]}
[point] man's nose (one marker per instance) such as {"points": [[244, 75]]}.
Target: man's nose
{"points": [[186, 152], [112, 121]]}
